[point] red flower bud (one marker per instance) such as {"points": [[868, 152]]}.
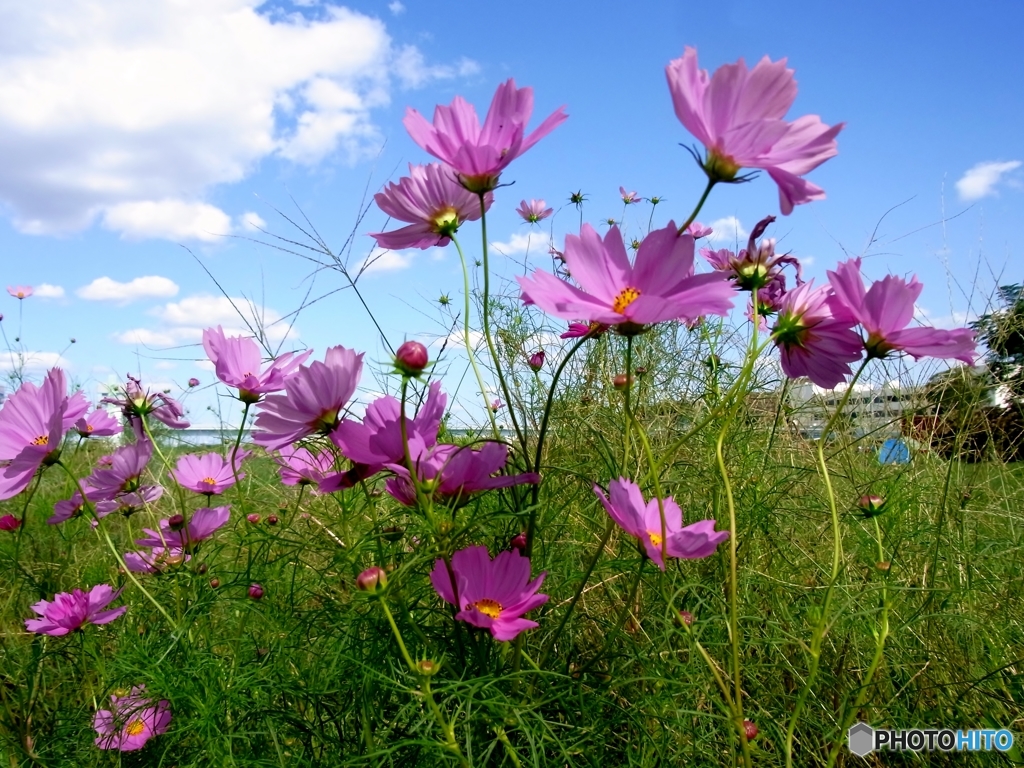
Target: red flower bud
{"points": [[176, 522], [750, 730], [255, 591], [621, 381], [372, 579], [9, 523], [686, 617], [411, 358], [518, 542], [253, 518], [271, 519], [536, 360]]}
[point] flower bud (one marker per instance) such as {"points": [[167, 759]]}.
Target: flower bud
{"points": [[176, 522], [9, 523], [686, 617], [392, 533], [884, 565], [536, 360], [621, 381], [255, 591], [427, 667], [193, 382], [641, 370], [214, 583], [518, 542], [372, 579], [750, 730], [253, 518], [871, 506], [272, 519], [201, 569], [411, 358]]}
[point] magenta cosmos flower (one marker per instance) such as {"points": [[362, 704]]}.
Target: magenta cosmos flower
{"points": [[451, 474], [131, 721], [201, 526], [124, 473], [434, 204], [811, 341], [627, 508], [629, 198], [490, 594], [313, 400], [737, 116], [72, 610], [20, 291], [237, 362], [660, 286], [31, 430], [130, 502], [209, 473], [886, 309], [533, 211], [299, 466], [480, 154], [9, 523], [138, 403], [99, 423]]}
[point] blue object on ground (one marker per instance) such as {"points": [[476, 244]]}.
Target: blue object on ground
{"points": [[894, 451]]}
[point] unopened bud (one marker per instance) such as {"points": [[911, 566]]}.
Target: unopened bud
{"points": [[176, 522], [536, 360], [885, 565], [255, 591], [750, 730], [193, 382], [686, 617], [214, 583], [392, 533], [427, 667], [201, 569], [621, 381], [272, 519], [518, 542], [9, 523], [253, 518], [411, 358], [372, 579], [871, 506]]}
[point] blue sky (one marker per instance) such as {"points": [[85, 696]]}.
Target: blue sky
{"points": [[142, 142]]}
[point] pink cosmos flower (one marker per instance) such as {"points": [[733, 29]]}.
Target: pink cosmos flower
{"points": [[490, 594], [660, 286], [138, 403], [579, 330], [67, 508], [811, 341], [479, 155], [20, 291], [202, 525], [99, 423], [886, 309], [453, 473], [77, 407], [313, 400], [72, 610], [434, 203], [237, 362], [533, 211], [299, 466], [737, 116], [156, 560], [124, 473], [696, 230], [377, 440], [627, 508], [9, 523], [209, 473], [629, 197], [129, 502], [131, 721], [31, 430]]}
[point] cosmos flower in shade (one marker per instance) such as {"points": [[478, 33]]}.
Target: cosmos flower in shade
{"points": [[131, 721], [579, 330], [434, 204], [299, 466], [696, 230], [737, 115], [377, 440], [642, 519], [811, 341], [490, 594], [629, 197], [451, 474], [533, 211], [156, 560], [237, 362], [137, 403], [124, 473], [314, 398], [20, 291], [31, 430], [77, 407], [67, 508], [69, 611], [660, 286], [201, 526], [886, 309], [209, 473], [479, 154], [99, 423], [9, 523], [129, 502]]}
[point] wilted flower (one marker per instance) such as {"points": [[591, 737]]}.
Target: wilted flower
{"points": [[237, 362], [72, 610], [533, 211], [131, 721], [579, 330], [755, 266], [130, 502], [479, 155], [138, 403], [497, 405], [490, 594]]}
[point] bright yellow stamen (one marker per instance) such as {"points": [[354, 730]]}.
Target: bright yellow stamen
{"points": [[626, 297], [89, 427], [446, 221], [209, 481], [488, 607], [135, 727], [655, 539], [42, 440], [721, 165]]}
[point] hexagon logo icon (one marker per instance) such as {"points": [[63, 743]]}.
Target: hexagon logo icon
{"points": [[861, 739]]}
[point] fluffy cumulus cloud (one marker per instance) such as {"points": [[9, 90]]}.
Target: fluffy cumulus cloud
{"points": [[728, 232], [30, 362], [380, 261], [149, 287], [47, 291], [181, 323], [128, 113], [521, 243], [982, 180]]}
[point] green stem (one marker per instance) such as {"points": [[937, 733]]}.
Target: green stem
{"points": [[700, 204]]}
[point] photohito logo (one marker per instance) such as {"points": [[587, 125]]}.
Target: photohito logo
{"points": [[862, 740]]}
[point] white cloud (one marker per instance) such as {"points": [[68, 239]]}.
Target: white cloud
{"points": [[165, 365], [107, 107], [981, 180], [150, 286], [170, 219], [519, 243], [147, 338], [47, 291], [728, 231], [31, 361], [396, 7], [380, 260], [251, 222]]}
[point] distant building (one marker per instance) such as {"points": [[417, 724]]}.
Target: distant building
{"points": [[871, 409]]}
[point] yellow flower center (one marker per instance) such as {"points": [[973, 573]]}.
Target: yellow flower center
{"points": [[721, 166], [488, 607], [42, 440], [446, 221], [89, 427], [655, 539], [326, 422], [208, 481], [626, 297], [135, 727], [21, 294]]}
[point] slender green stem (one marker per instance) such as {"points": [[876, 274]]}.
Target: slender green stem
{"points": [[700, 204], [238, 441], [821, 627], [620, 620]]}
